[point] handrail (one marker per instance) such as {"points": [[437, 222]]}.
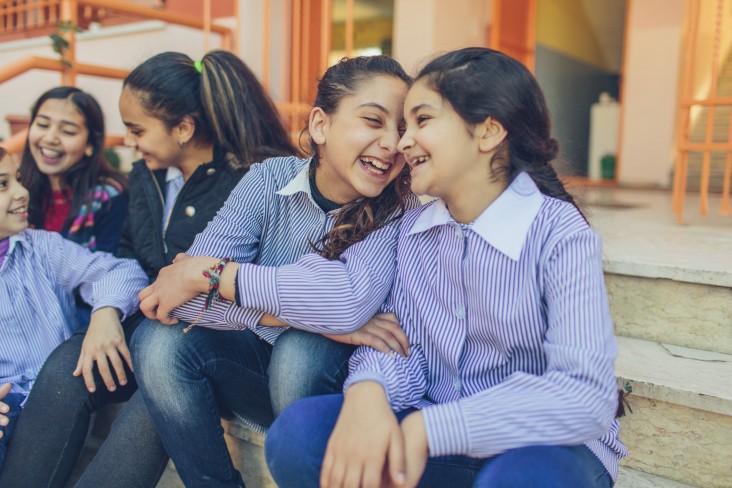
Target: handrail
{"points": [[16, 68]]}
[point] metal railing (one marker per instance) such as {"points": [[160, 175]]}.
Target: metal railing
{"points": [[689, 102]]}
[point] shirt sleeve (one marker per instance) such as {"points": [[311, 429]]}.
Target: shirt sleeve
{"points": [[222, 314], [404, 379], [325, 296], [575, 399], [103, 280]]}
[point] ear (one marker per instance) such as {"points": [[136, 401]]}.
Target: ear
{"points": [[490, 133], [184, 130], [89, 151], [318, 124]]}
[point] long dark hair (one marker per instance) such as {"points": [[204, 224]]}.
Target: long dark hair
{"points": [[359, 218], [479, 83], [80, 178], [230, 108]]}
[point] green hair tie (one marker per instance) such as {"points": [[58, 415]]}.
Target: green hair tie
{"points": [[199, 66]]}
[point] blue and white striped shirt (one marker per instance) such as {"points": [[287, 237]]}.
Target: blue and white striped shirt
{"points": [[510, 328], [37, 281], [512, 340], [269, 220]]}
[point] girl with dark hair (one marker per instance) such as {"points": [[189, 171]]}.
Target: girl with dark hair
{"points": [[73, 189], [354, 186], [198, 126], [499, 287]]}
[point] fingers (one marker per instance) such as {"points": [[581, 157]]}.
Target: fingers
{"points": [[87, 365], [148, 303], [180, 257], [4, 408], [389, 338], [5, 389], [389, 323], [396, 458]]}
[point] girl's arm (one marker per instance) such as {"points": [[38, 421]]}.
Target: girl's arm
{"points": [[574, 400], [103, 280]]}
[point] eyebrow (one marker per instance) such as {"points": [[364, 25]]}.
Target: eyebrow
{"points": [[63, 122], [376, 106], [417, 108], [130, 124]]}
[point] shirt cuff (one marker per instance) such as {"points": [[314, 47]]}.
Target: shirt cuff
{"points": [[258, 288], [360, 376], [447, 433], [123, 306]]}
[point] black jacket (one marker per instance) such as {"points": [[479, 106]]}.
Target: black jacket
{"points": [[203, 194]]}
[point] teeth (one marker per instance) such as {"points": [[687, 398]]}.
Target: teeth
{"points": [[375, 166], [419, 160], [51, 153], [18, 210]]}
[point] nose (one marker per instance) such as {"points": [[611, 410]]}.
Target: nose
{"points": [[20, 193], [406, 142], [389, 141], [129, 140], [51, 135]]}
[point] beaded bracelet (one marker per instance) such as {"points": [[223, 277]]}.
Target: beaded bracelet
{"points": [[213, 274]]}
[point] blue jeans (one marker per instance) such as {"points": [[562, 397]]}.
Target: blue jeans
{"points": [[189, 380], [12, 400], [297, 440]]}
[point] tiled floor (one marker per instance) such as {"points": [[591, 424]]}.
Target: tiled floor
{"points": [[641, 236]]}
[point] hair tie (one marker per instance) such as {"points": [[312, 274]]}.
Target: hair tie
{"points": [[199, 66]]}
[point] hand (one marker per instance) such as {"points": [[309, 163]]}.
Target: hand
{"points": [[4, 390], [382, 333], [104, 343], [416, 448], [175, 285], [366, 441]]}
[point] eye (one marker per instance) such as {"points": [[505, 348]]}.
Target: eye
{"points": [[421, 119], [401, 130], [373, 120], [42, 125], [136, 132], [69, 133], [3, 183]]}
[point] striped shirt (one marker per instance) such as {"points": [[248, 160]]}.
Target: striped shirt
{"points": [[37, 280], [269, 220], [512, 341]]}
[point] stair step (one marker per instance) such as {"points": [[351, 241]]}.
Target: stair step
{"points": [[671, 311], [681, 423], [630, 478]]}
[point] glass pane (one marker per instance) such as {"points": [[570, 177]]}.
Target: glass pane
{"points": [[373, 26]]}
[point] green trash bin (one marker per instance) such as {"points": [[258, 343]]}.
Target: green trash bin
{"points": [[607, 167]]}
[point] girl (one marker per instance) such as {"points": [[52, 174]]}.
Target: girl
{"points": [[73, 189], [42, 314], [198, 125], [500, 290], [352, 187]]}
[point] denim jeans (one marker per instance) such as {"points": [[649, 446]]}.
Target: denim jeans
{"points": [[53, 425], [189, 380], [297, 440], [12, 400]]}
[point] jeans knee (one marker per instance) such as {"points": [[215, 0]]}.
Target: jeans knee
{"points": [[322, 365], [155, 350]]}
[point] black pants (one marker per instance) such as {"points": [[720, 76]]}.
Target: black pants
{"points": [[53, 425]]}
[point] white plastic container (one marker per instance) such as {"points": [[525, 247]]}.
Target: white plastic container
{"points": [[604, 120]]}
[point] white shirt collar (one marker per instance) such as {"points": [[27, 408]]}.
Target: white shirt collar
{"points": [[504, 224], [300, 183]]}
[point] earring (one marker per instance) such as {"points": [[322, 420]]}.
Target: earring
{"points": [[181, 143]]}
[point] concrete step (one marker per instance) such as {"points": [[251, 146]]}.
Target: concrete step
{"points": [[681, 425], [671, 311], [630, 478]]}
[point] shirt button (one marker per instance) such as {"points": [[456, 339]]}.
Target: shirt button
{"points": [[190, 211], [460, 312], [456, 383], [210, 171], [459, 232]]}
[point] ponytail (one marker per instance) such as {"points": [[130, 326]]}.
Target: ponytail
{"points": [[230, 108]]}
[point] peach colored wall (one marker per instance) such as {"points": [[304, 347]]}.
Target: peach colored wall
{"points": [[423, 28], [650, 91]]}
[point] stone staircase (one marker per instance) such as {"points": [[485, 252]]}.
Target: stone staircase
{"points": [[670, 290]]}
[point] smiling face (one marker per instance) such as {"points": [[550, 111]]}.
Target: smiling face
{"points": [[357, 144], [58, 138], [13, 200], [441, 149], [157, 144]]}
